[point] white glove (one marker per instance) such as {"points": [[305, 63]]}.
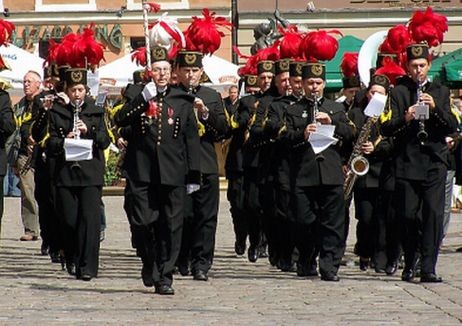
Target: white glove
{"points": [[192, 187], [149, 91]]}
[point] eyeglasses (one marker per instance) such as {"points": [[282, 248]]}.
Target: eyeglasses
{"points": [[28, 81]]}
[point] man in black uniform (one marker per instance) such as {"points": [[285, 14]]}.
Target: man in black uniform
{"points": [[317, 179], [201, 210], [239, 121], [161, 161], [254, 112], [419, 120], [277, 228], [45, 193]]}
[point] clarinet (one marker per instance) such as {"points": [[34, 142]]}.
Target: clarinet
{"points": [[75, 129], [422, 135]]}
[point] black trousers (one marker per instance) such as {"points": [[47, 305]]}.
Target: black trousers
{"points": [[420, 208], [201, 213], [80, 211], [320, 213], [235, 195], [366, 212], [45, 195], [388, 245], [156, 225], [252, 206], [283, 226]]}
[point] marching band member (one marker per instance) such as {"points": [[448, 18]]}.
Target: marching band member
{"points": [[419, 120], [162, 159]]}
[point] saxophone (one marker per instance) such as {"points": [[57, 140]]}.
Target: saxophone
{"points": [[357, 164]]}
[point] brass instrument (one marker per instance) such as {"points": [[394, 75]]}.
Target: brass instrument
{"points": [[31, 156], [357, 164], [28, 164]]}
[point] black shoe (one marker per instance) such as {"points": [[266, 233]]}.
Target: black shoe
{"points": [[70, 267], [252, 254], [330, 277], [430, 278], [407, 275], [102, 235], [54, 256], [165, 290], [391, 269], [44, 248], [146, 275], [379, 270], [363, 264], [183, 269], [239, 247], [85, 277], [200, 276], [262, 253]]}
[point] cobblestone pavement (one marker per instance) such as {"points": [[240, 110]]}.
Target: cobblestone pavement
{"points": [[238, 292]]}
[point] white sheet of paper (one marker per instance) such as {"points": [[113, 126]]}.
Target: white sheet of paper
{"points": [[320, 142], [326, 130], [376, 105], [78, 149]]}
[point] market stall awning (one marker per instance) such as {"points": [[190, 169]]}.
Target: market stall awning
{"points": [[347, 43], [448, 69]]}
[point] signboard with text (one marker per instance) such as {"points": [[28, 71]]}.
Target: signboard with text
{"points": [[338, 5]]}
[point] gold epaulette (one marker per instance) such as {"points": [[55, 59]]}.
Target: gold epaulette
{"points": [[456, 114], [233, 123], [116, 109], [387, 112], [200, 128]]}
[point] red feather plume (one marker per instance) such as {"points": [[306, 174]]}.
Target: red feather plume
{"points": [[428, 27], [290, 42], [391, 69], [6, 30], [269, 53], [139, 56], [319, 45], [64, 51], [152, 7], [203, 34], [87, 51], [398, 38], [349, 64]]}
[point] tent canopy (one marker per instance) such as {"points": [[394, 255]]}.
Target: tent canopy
{"points": [[119, 73], [20, 62], [334, 76], [448, 69]]}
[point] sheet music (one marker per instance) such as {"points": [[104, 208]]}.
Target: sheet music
{"points": [[78, 149]]}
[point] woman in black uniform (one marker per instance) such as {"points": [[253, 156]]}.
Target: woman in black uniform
{"points": [[79, 183]]}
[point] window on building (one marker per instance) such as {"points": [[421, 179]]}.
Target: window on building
{"points": [[57, 5]]}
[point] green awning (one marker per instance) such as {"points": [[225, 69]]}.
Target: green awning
{"points": [[448, 69], [334, 76]]}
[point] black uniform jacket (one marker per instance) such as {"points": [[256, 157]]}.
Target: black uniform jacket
{"points": [[216, 126], [256, 146], [61, 122], [163, 150], [275, 129], [238, 128], [307, 168], [414, 160], [7, 127], [382, 149]]}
